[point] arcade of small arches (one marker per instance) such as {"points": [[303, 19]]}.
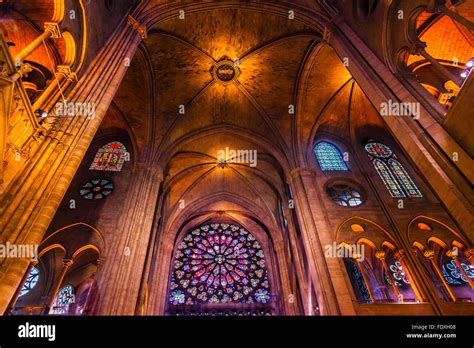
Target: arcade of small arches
{"points": [[138, 214], [220, 268]]}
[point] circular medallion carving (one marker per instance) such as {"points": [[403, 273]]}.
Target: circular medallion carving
{"points": [[225, 71]]}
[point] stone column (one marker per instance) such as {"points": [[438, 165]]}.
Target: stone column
{"points": [[454, 255], [20, 286], [434, 6], [325, 274], [63, 73], [400, 255], [281, 258], [33, 198], [380, 255], [67, 263], [470, 255], [418, 48], [50, 30], [425, 141], [159, 285], [299, 264], [121, 276], [429, 254], [358, 261]]}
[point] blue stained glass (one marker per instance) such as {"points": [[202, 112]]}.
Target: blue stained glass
{"points": [[219, 263], [64, 298], [398, 274], [329, 157], [394, 176], [454, 275], [31, 281], [344, 195], [359, 285]]}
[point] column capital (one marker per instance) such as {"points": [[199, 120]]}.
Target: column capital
{"points": [[469, 253], [22, 70], [429, 254], [141, 29], [53, 28], [453, 253], [67, 263], [99, 262], [400, 254], [380, 255], [417, 47], [295, 172], [66, 71], [327, 34]]}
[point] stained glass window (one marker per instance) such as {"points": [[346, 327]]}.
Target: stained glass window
{"points": [[219, 263], [358, 282], [344, 195], [329, 157], [404, 178], [96, 189], [398, 274], [388, 179], [110, 157], [63, 299], [282, 209], [31, 281], [394, 176], [454, 275]]}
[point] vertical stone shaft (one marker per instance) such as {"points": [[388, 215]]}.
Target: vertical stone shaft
{"points": [[120, 278]]}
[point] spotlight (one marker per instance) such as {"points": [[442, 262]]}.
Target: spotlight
{"points": [[470, 63], [464, 74], [41, 113]]}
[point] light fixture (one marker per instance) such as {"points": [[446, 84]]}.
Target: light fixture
{"points": [[41, 113], [469, 66]]}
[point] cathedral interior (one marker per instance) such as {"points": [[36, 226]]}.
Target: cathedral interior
{"points": [[243, 158]]}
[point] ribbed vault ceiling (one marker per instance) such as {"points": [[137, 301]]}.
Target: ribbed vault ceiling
{"points": [[282, 63]]}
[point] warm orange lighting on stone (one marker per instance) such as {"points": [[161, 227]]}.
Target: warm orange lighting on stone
{"points": [[357, 228], [423, 227]]}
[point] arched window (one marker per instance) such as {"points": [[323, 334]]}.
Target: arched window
{"points": [[63, 299], [329, 157], [358, 282], [398, 274], [219, 264], [282, 210], [31, 281], [394, 176], [110, 157], [454, 275]]}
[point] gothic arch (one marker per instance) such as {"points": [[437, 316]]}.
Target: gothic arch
{"points": [[440, 232], [207, 210], [74, 239]]}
